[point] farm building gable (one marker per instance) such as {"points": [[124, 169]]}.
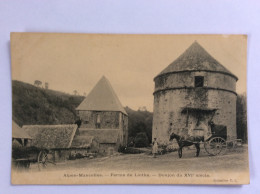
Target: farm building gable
{"points": [[102, 98], [18, 132], [51, 136]]}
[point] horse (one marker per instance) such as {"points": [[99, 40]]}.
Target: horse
{"points": [[182, 142]]}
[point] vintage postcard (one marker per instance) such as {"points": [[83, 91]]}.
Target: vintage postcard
{"points": [[129, 109]]}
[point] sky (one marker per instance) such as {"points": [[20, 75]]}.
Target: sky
{"points": [[71, 62]]}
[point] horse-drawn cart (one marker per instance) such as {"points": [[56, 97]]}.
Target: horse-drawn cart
{"points": [[217, 144], [206, 132], [23, 157]]}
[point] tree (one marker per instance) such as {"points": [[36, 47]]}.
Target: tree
{"points": [[143, 108], [46, 85], [75, 92], [37, 83], [241, 117], [139, 121], [141, 140]]}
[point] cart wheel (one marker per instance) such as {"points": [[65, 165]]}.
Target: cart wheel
{"points": [[42, 159], [215, 146]]}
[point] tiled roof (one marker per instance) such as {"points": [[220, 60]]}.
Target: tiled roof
{"points": [[51, 136], [195, 58]]}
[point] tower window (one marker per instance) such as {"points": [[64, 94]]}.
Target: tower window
{"points": [[98, 121], [199, 81]]}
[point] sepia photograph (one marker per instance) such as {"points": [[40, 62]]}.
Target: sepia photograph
{"points": [[129, 109]]}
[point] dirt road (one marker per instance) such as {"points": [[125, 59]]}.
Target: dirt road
{"points": [[236, 160]]}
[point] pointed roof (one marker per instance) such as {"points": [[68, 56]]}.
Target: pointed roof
{"points": [[102, 98], [18, 132], [195, 58]]}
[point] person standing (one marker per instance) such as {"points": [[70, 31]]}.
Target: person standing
{"points": [[78, 122], [155, 147]]}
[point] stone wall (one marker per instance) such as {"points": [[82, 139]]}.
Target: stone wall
{"points": [[186, 79], [225, 102], [123, 125], [125, 129], [108, 119], [170, 103], [108, 149]]}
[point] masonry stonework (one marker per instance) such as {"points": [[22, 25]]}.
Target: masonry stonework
{"points": [[176, 93], [108, 119]]}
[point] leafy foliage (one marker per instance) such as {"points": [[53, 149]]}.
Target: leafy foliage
{"points": [[141, 140], [34, 105], [242, 117], [139, 122], [129, 150]]}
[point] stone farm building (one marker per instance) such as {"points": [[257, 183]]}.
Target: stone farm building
{"points": [[193, 89], [59, 138], [103, 117], [63, 140]]}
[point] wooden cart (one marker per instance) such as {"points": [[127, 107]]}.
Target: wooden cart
{"points": [[23, 157], [218, 143]]}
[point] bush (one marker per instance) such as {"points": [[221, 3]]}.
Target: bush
{"points": [[121, 149], [141, 140], [138, 122], [130, 150]]}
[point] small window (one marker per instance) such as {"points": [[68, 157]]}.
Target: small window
{"points": [[199, 81], [98, 118], [98, 121]]}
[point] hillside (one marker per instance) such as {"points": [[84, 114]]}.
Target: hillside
{"points": [[34, 105]]}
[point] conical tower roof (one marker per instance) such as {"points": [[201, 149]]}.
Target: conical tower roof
{"points": [[195, 58], [102, 98]]}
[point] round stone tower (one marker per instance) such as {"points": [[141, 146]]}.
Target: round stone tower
{"points": [[193, 90]]}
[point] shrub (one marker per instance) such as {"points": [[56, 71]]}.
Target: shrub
{"points": [[121, 149], [131, 150], [141, 140]]}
